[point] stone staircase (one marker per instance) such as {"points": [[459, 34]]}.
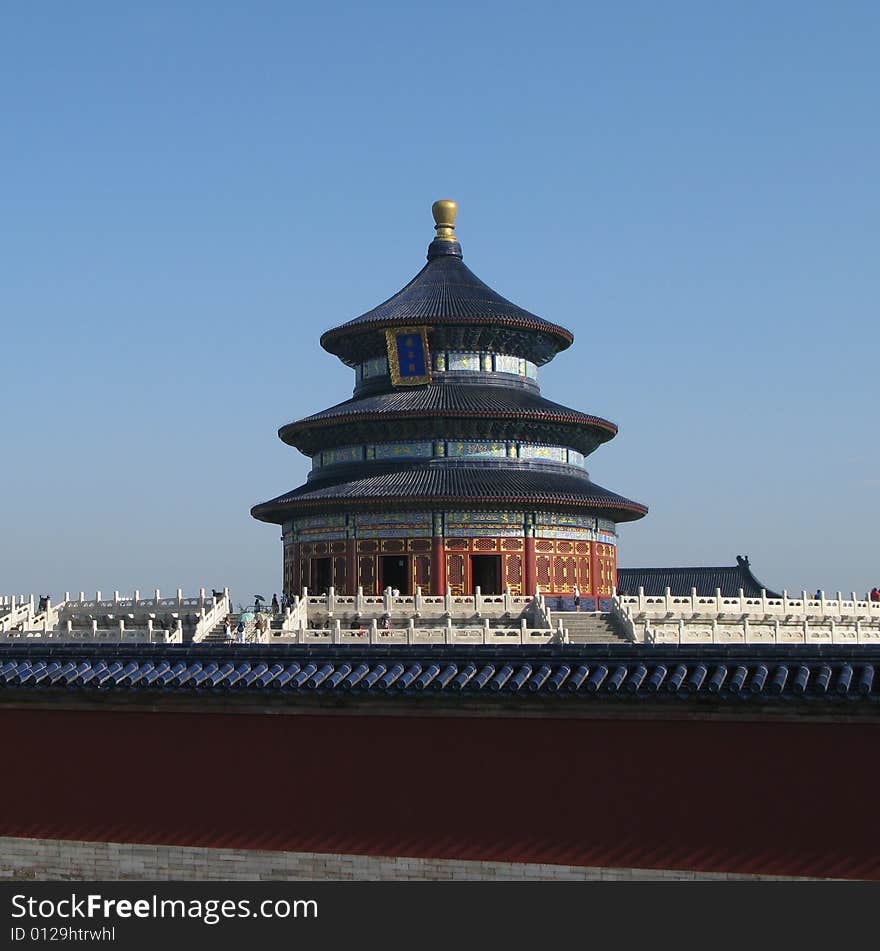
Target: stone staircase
{"points": [[587, 627], [216, 635]]}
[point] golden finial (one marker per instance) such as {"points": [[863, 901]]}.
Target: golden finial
{"points": [[444, 212]]}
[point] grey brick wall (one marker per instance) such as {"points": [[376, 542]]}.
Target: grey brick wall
{"points": [[60, 860]]}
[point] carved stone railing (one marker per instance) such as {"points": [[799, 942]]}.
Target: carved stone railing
{"points": [[373, 634], [419, 605], [16, 610], [714, 619], [138, 606], [94, 634], [706, 605]]}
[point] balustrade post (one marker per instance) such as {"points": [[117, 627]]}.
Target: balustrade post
{"points": [[641, 599], [121, 629], [97, 598], [718, 605], [136, 598], [201, 597], [337, 631], [94, 628], [478, 600], [331, 600], [359, 600], [69, 625], [179, 597], [150, 629], [447, 603], [156, 594], [666, 598], [116, 597], [680, 629], [417, 600], [374, 631], [763, 601], [693, 600], [822, 601]]}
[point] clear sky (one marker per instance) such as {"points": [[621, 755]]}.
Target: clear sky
{"points": [[192, 192]]}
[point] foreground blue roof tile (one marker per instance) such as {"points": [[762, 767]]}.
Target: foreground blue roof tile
{"points": [[619, 674]]}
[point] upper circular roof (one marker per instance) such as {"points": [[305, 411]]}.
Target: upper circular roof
{"points": [[447, 293]]}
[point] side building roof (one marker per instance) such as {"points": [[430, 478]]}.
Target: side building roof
{"points": [[706, 580]]}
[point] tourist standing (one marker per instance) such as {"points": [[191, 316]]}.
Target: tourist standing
{"points": [[275, 607], [577, 598]]}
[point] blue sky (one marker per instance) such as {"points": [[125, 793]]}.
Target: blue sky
{"points": [[192, 192]]}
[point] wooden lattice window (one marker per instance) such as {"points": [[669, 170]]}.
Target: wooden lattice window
{"points": [[514, 572], [422, 569], [340, 572], [542, 570], [367, 574], [455, 574]]}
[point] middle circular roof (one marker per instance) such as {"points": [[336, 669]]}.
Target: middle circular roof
{"points": [[456, 410]]}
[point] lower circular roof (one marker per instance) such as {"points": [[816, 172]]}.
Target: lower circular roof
{"points": [[515, 486]]}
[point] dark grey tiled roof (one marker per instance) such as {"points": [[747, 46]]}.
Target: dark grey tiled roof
{"points": [[681, 581], [445, 291], [761, 676], [437, 483], [448, 401]]}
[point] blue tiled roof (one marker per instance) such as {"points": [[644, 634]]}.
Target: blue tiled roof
{"points": [[585, 674], [442, 405], [447, 291], [510, 484], [681, 581]]}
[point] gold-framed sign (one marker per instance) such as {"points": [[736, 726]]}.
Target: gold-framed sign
{"points": [[409, 359]]}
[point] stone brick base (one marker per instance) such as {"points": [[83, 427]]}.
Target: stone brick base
{"points": [[62, 860]]}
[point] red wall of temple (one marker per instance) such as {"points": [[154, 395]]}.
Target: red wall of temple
{"points": [[769, 797], [556, 565]]}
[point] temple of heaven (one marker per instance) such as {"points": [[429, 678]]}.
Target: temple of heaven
{"points": [[447, 469]]}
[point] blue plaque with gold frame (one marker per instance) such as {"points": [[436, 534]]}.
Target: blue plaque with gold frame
{"points": [[409, 359]]}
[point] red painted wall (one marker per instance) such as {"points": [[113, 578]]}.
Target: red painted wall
{"points": [[786, 798]]}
